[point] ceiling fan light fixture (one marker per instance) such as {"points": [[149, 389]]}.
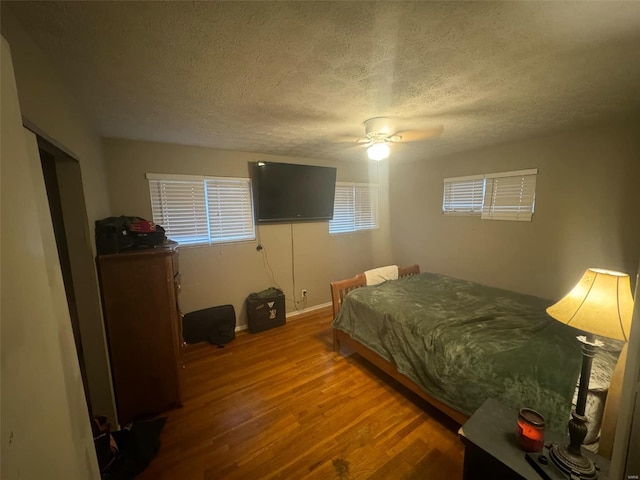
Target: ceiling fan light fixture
{"points": [[378, 151]]}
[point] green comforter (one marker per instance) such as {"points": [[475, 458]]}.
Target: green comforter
{"points": [[463, 342]]}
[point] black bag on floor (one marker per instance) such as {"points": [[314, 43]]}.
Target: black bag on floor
{"points": [[103, 440], [216, 325], [138, 444], [265, 310]]}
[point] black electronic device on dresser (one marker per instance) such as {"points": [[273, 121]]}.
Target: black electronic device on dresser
{"points": [[143, 324]]}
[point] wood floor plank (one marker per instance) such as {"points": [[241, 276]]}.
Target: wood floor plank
{"points": [[281, 404]]}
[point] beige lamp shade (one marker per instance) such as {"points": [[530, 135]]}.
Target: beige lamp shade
{"points": [[601, 303]]}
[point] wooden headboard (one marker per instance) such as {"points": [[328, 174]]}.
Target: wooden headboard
{"points": [[340, 288]]}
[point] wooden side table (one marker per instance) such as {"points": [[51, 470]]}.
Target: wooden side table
{"points": [[492, 451]]}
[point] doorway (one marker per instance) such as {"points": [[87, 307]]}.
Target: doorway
{"points": [[63, 181], [48, 161]]}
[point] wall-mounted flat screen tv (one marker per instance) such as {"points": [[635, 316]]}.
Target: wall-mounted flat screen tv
{"points": [[286, 192]]}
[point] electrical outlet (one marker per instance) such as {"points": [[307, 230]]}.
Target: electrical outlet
{"points": [[304, 293]]}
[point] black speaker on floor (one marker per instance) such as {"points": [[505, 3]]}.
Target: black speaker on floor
{"points": [[266, 310]]}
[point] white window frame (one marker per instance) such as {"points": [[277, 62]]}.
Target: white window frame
{"points": [[201, 210], [492, 196], [355, 208], [463, 195], [510, 195]]}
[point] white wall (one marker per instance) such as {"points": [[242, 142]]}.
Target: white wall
{"points": [[227, 274], [586, 212], [46, 104], [45, 429]]}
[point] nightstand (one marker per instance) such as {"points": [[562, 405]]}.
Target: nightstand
{"points": [[492, 451]]}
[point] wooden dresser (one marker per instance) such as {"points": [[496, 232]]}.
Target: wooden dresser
{"points": [[143, 324]]}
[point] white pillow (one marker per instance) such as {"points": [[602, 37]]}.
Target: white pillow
{"points": [[381, 274]]}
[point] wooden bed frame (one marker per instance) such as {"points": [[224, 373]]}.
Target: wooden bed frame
{"points": [[339, 290]]}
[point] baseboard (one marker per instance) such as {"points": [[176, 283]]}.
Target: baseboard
{"points": [[309, 309], [240, 328]]}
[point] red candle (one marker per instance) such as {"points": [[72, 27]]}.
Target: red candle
{"points": [[530, 430]]}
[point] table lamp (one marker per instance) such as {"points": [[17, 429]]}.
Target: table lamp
{"points": [[600, 304]]}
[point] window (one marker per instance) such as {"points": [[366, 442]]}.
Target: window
{"points": [[493, 196], [198, 210], [510, 195], [355, 208], [463, 195]]}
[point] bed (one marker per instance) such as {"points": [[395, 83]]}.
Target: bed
{"points": [[456, 343]]}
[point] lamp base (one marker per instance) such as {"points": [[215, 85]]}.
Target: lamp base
{"points": [[547, 470], [576, 466]]}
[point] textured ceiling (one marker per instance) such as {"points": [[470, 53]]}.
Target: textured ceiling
{"points": [[299, 78]]}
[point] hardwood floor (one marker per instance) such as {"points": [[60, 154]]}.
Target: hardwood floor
{"points": [[281, 404]]}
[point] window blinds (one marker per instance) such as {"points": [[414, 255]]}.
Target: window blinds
{"points": [[202, 210], [230, 209], [366, 212], [510, 195], [180, 207], [355, 208], [463, 195], [344, 206]]}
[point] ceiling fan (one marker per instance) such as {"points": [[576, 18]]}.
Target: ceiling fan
{"points": [[380, 132]]}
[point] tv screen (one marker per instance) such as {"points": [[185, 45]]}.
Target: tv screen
{"points": [[287, 192]]}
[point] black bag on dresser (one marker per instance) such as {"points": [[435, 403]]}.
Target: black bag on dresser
{"points": [[216, 325], [115, 234], [112, 235]]}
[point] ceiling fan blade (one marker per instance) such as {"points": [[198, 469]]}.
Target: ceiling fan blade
{"points": [[344, 139], [420, 134]]}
